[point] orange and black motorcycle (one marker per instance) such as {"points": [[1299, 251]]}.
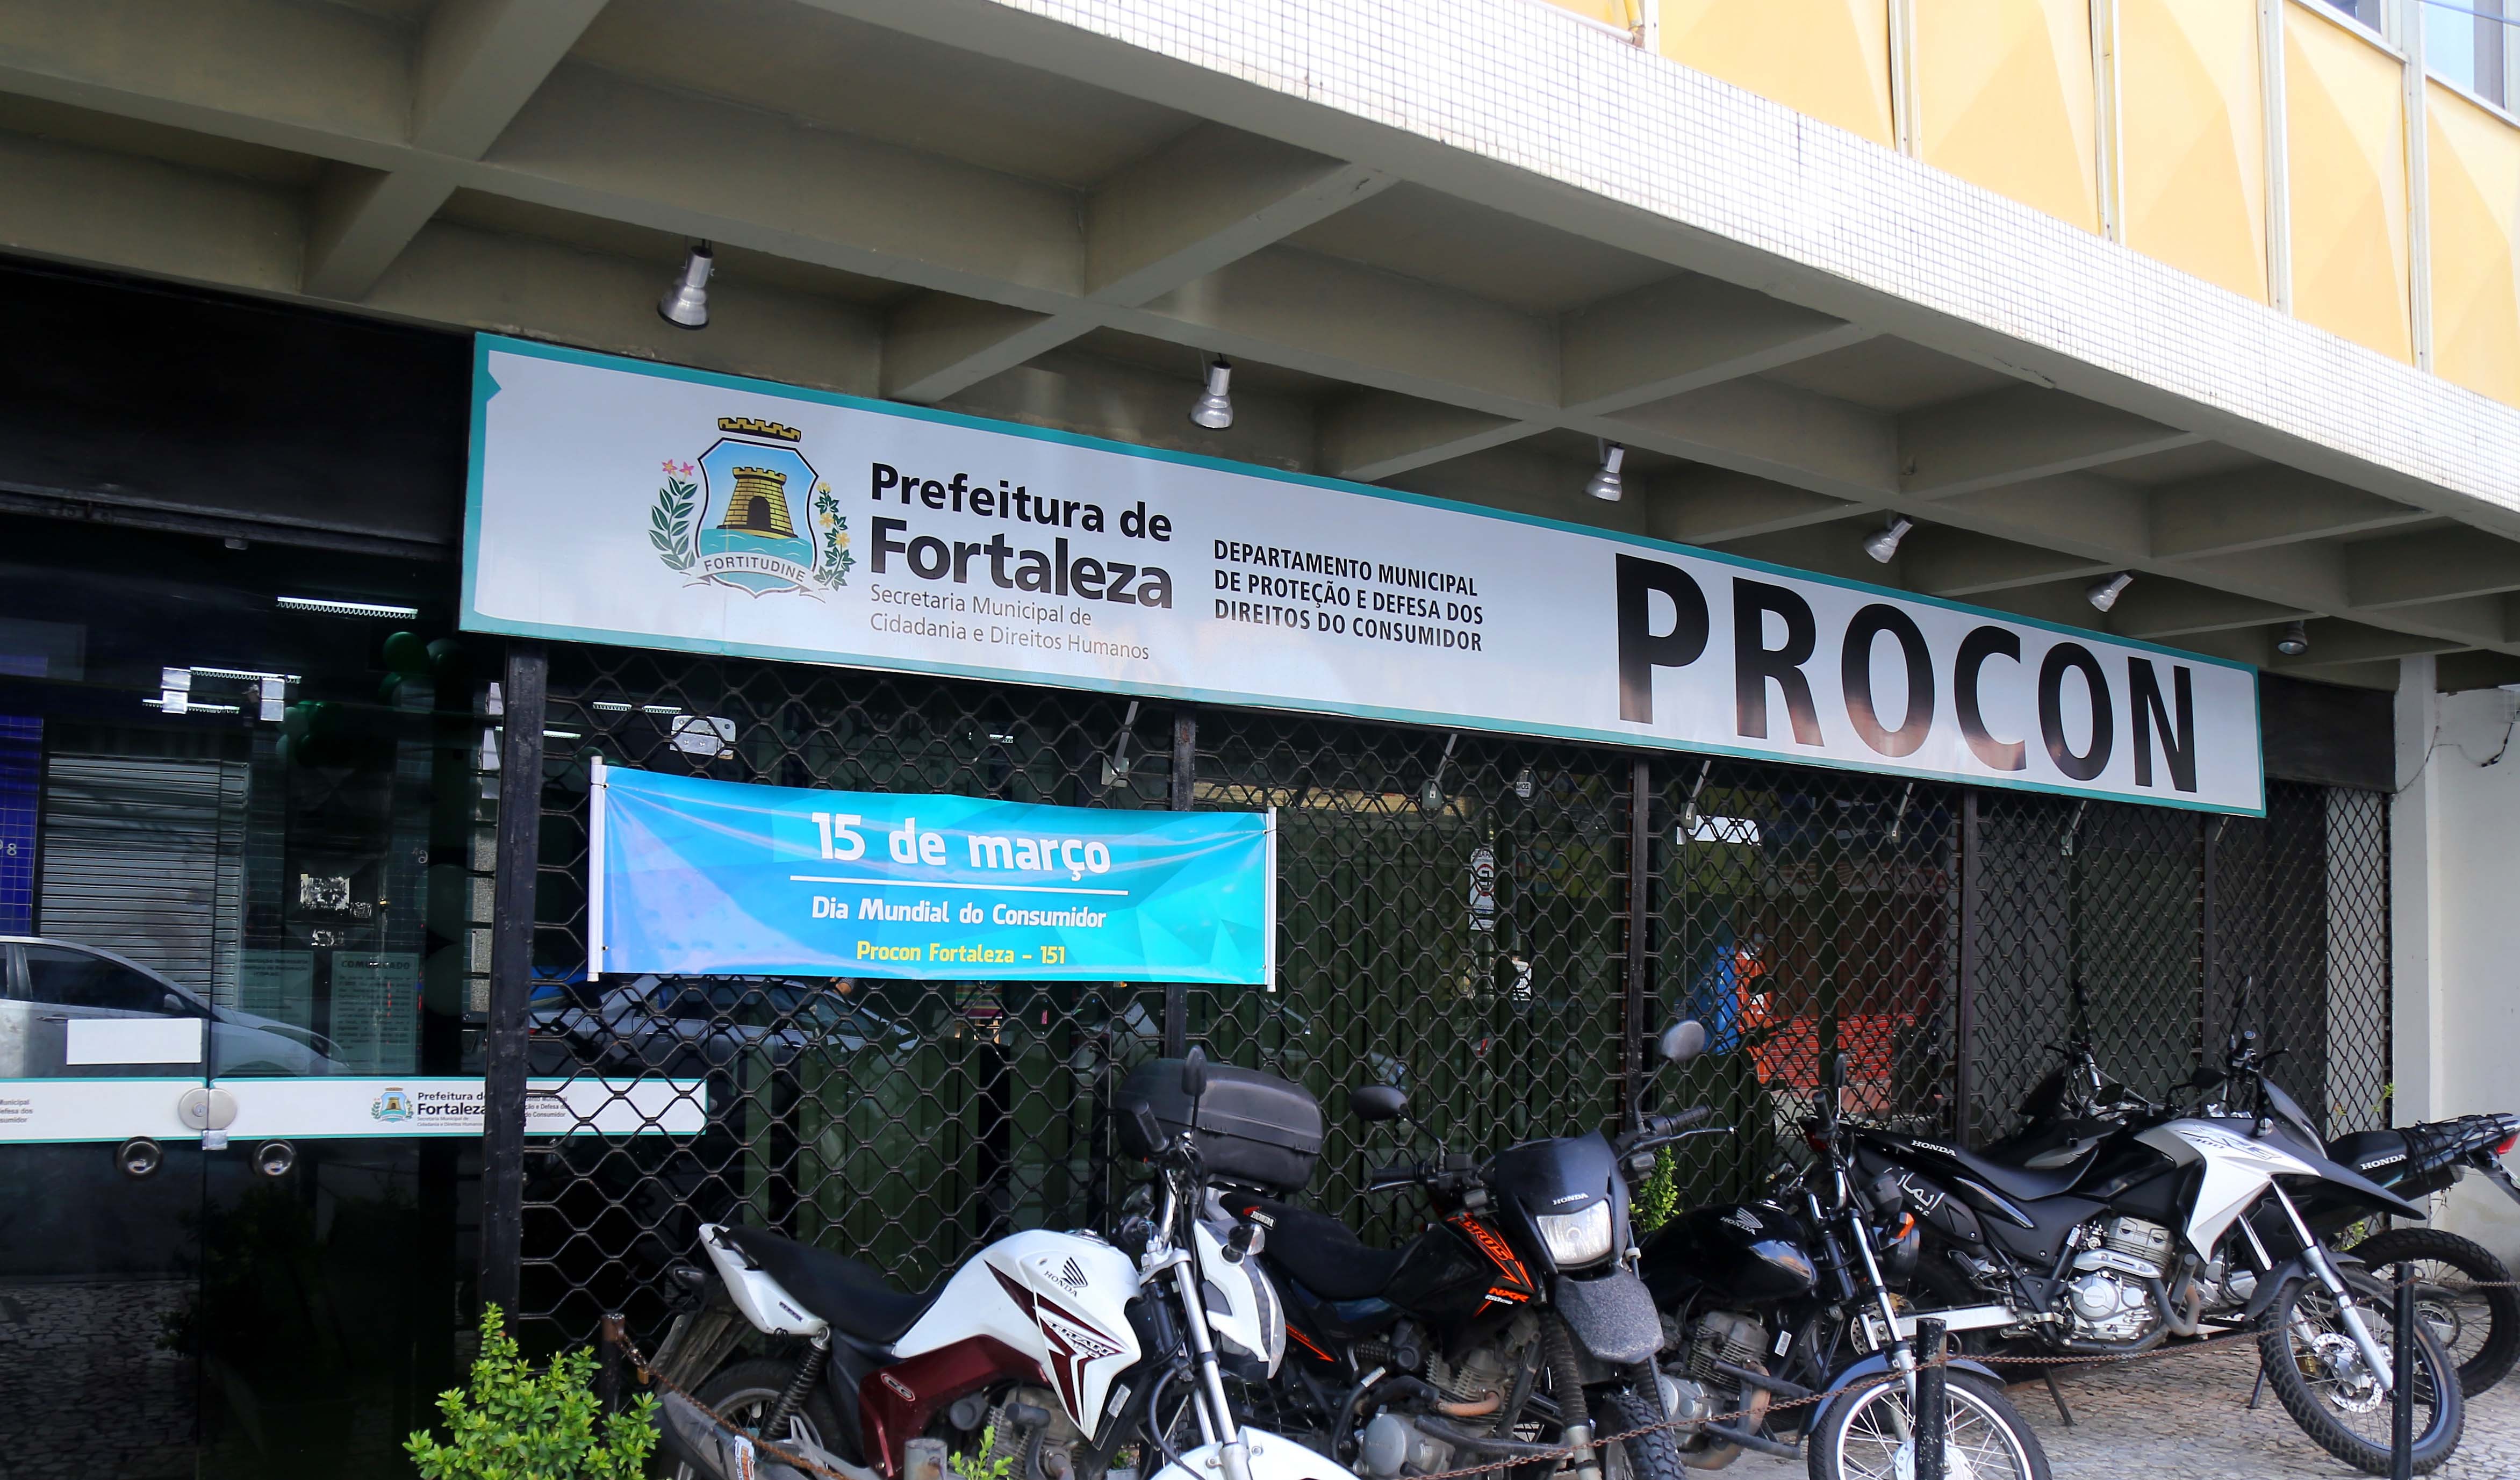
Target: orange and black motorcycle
{"points": [[1512, 1326]]}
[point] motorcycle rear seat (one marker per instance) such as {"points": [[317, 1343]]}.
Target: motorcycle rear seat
{"points": [[2023, 1182], [855, 1298], [1321, 1253]]}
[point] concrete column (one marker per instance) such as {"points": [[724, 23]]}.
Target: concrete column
{"points": [[2474, 813], [2415, 850]]}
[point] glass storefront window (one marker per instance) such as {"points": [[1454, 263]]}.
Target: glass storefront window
{"points": [[244, 853]]}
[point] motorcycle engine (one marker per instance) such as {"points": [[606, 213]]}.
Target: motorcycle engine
{"points": [[2111, 1293], [1724, 1336]]}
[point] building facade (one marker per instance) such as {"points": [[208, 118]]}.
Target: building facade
{"points": [[2188, 336]]}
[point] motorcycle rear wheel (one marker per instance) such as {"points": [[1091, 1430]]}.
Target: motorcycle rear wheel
{"points": [[2480, 1328], [742, 1394], [1866, 1432], [2318, 1375]]}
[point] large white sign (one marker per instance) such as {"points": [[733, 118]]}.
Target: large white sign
{"points": [[613, 500]]}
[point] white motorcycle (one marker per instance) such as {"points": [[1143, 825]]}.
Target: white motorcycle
{"points": [[1051, 1351]]}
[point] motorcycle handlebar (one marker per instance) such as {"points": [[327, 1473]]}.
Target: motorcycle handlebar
{"points": [[1398, 1174], [1659, 1125]]}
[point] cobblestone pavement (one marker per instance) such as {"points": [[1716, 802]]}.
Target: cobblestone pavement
{"points": [[86, 1388], [2185, 1417]]}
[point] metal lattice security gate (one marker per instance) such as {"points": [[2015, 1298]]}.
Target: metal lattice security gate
{"points": [[1455, 917]]}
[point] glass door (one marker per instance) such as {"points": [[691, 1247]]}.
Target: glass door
{"points": [[102, 1092], [241, 808]]}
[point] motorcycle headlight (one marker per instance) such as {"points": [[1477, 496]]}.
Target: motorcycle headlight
{"points": [[1576, 1239]]}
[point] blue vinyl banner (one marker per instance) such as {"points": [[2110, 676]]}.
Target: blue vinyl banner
{"points": [[707, 877]]}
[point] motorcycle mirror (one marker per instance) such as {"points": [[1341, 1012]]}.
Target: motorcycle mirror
{"points": [[1683, 1041], [1149, 1129], [1377, 1101], [2206, 1077], [1195, 1073], [1836, 1072]]}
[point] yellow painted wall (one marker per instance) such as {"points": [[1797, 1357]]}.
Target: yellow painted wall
{"points": [[2004, 97], [1830, 59], [2345, 131], [2474, 165], [2192, 130]]}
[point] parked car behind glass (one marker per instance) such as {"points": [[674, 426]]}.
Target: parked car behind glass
{"points": [[46, 984]]}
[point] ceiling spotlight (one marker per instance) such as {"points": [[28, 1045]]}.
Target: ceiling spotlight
{"points": [[1883, 543], [1605, 484], [1214, 409], [685, 305], [2294, 640], [2103, 595]]}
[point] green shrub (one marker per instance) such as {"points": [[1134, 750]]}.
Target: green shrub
{"points": [[516, 1423], [1657, 1198]]}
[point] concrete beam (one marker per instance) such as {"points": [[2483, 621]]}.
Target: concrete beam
{"points": [[1203, 201], [2456, 671], [2161, 609], [2262, 506], [2430, 566], [1210, 198], [477, 62], [1823, 548], [1683, 334], [1374, 434], [2374, 673], [2068, 511], [82, 204], [1957, 562], [1333, 318], [2017, 433], [1669, 339], [604, 146], [2333, 643], [1711, 506], [2482, 621], [1769, 431], [936, 344]]}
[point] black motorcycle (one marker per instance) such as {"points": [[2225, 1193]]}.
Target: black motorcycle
{"points": [[2466, 1293], [1782, 1336], [2112, 1243], [1513, 1324]]}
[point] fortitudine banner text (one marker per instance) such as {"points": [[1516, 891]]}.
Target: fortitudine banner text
{"points": [[615, 501]]}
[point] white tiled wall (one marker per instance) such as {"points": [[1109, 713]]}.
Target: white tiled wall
{"points": [[1520, 82]]}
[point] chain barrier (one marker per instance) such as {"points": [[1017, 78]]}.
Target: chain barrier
{"points": [[637, 1360]]}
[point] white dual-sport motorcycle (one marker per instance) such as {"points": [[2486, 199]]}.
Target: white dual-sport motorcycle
{"points": [[1054, 1350]]}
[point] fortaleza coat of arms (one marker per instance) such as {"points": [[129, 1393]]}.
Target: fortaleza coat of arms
{"points": [[733, 516]]}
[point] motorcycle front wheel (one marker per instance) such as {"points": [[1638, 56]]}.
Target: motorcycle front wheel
{"points": [[1868, 1433], [742, 1394], [2317, 1373], [1650, 1455]]}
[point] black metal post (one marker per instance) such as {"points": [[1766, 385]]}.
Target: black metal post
{"points": [[1640, 977], [512, 969], [1965, 988], [2402, 1401], [608, 1338], [1185, 793], [1932, 1400], [2209, 944]]}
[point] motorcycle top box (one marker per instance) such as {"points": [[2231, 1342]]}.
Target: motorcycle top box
{"points": [[1254, 1128]]}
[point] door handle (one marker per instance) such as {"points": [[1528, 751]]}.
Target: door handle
{"points": [[54, 1017], [209, 1110]]}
